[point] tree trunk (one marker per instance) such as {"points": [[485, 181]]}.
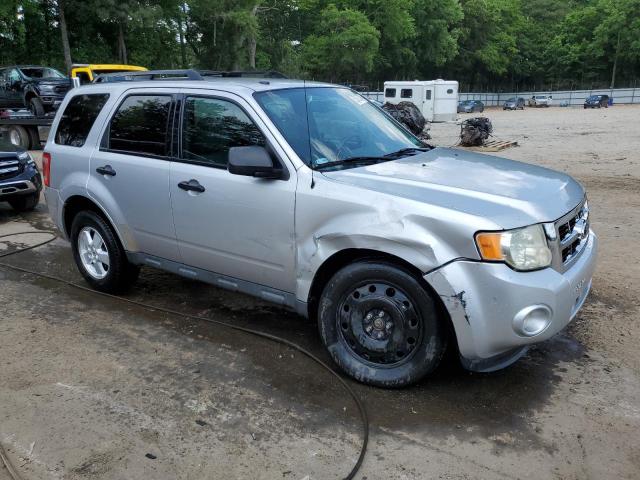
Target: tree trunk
{"points": [[253, 41], [122, 47], [615, 63], [252, 52], [183, 46], [65, 35]]}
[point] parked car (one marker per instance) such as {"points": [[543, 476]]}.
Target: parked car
{"points": [[307, 195], [597, 101], [470, 106], [540, 101], [514, 104], [20, 181], [40, 89]]}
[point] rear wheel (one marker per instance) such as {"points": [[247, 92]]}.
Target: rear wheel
{"points": [[19, 136], [25, 203], [380, 324], [99, 256]]}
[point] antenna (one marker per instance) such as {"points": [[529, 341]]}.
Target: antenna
{"points": [[306, 111]]}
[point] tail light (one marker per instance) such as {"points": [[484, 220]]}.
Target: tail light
{"points": [[46, 168]]}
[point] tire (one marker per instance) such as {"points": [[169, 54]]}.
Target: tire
{"points": [[25, 203], [34, 138], [380, 324], [19, 136], [36, 107], [116, 275]]}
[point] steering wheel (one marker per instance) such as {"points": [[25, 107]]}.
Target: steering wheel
{"points": [[343, 145]]}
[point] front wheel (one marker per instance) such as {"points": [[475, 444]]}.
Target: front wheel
{"points": [[99, 256], [381, 325], [36, 107]]}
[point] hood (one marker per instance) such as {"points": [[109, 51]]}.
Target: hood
{"points": [[510, 194], [50, 82]]}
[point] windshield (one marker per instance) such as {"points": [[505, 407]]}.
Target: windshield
{"points": [[331, 124], [512, 100], [41, 72], [594, 97]]}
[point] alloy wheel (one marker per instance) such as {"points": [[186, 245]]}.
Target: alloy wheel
{"points": [[93, 253]]}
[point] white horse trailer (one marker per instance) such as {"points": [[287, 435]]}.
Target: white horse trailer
{"points": [[436, 99]]}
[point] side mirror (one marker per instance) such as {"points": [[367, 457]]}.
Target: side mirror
{"points": [[252, 161]]}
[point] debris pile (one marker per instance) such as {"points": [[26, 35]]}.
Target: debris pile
{"points": [[475, 131], [407, 114]]}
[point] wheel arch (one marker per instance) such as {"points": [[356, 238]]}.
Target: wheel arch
{"points": [[28, 95], [78, 203]]}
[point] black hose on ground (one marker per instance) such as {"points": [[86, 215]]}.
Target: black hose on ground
{"points": [[274, 338]]}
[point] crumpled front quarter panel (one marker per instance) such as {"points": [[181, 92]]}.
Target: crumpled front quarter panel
{"points": [[333, 216]]}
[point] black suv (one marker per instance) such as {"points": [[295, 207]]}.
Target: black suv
{"points": [[597, 101], [40, 89], [20, 181]]}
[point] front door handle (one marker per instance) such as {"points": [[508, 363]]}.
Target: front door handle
{"points": [[191, 186], [106, 170]]}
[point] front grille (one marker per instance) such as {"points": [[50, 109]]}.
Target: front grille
{"points": [[61, 89], [9, 168], [573, 233]]}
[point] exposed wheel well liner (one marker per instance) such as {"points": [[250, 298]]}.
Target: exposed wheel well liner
{"points": [[345, 257]]}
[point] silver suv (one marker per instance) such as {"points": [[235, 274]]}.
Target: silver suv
{"points": [[309, 196]]}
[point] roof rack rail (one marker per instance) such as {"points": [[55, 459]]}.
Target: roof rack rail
{"points": [[189, 74], [242, 73]]}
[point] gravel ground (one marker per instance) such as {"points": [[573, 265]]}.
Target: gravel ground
{"points": [[89, 386]]}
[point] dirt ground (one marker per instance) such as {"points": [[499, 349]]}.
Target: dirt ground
{"points": [[92, 388]]}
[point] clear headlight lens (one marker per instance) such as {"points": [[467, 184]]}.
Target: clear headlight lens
{"points": [[522, 248]]}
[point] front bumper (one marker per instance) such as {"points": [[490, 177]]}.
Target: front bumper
{"points": [[51, 102], [25, 183], [484, 298]]}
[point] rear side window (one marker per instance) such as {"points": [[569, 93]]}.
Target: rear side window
{"points": [[211, 127], [390, 92], [406, 93], [141, 125], [78, 118]]}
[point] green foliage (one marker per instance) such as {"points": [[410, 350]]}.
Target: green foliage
{"points": [[497, 43], [345, 48]]}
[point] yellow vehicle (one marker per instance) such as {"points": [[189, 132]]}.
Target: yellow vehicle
{"points": [[86, 73]]}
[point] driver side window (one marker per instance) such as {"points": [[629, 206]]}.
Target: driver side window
{"points": [[13, 76], [211, 126]]}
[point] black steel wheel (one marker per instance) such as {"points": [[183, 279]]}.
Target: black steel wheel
{"points": [[380, 324]]}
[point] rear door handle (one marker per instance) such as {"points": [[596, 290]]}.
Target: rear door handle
{"points": [[191, 186], [106, 170]]}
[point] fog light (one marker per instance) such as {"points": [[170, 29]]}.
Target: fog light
{"points": [[532, 320]]}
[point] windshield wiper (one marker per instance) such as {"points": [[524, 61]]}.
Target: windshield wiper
{"points": [[406, 151], [364, 160]]}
